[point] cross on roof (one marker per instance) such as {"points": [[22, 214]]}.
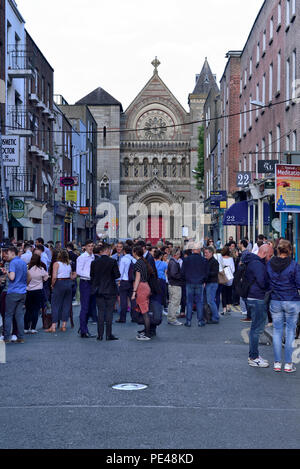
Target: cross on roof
{"points": [[156, 64]]}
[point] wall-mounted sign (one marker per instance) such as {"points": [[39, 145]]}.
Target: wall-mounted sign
{"points": [[69, 181], [267, 166], [71, 196], [218, 199], [287, 197], [85, 210], [243, 179], [17, 208], [10, 151]]}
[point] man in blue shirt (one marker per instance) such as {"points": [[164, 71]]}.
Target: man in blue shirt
{"points": [[16, 295]]}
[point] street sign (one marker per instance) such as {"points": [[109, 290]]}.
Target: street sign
{"points": [[267, 166], [69, 181], [85, 210], [71, 196], [243, 178], [218, 199], [10, 151]]}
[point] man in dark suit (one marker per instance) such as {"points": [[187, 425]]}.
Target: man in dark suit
{"points": [[104, 273]]}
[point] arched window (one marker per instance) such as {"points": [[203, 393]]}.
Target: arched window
{"points": [[174, 168], [183, 168], [136, 168], [155, 167], [165, 168], [146, 168], [105, 188], [126, 168]]}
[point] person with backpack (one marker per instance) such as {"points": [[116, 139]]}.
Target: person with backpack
{"points": [[284, 277], [243, 247], [125, 283], [254, 285]]}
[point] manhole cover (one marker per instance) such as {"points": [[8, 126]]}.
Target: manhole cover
{"points": [[130, 387]]}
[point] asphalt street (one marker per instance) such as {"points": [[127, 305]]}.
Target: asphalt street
{"points": [[56, 392]]}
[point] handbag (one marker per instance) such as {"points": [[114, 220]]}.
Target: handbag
{"points": [[228, 273], [222, 278]]}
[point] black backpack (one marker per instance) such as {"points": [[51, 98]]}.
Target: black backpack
{"points": [[241, 284]]}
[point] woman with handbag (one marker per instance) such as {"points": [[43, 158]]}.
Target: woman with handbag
{"points": [[228, 271], [141, 290], [37, 274]]}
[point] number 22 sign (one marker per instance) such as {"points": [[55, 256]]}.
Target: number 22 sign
{"points": [[243, 179]]}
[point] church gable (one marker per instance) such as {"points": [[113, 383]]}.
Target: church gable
{"points": [[154, 96]]}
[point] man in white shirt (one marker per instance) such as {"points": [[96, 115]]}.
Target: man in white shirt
{"points": [[125, 283], [26, 257], [83, 270]]}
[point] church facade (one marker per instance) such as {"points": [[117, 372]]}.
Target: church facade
{"points": [[146, 155]]}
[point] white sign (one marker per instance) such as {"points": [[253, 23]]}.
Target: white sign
{"points": [[11, 151]]}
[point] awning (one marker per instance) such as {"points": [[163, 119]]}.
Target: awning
{"points": [[22, 223], [237, 215]]}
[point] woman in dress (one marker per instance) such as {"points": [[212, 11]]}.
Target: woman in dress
{"points": [[36, 276], [228, 264], [141, 290]]}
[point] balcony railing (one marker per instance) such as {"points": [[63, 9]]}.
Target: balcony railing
{"points": [[18, 122], [20, 182], [19, 61]]}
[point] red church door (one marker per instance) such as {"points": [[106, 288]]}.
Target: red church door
{"points": [[155, 229]]}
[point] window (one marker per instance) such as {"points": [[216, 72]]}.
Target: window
{"points": [[288, 143], [278, 71], [43, 90], [183, 168], [165, 168], [126, 168], [241, 128], [245, 118], [294, 75], [257, 53], [271, 82], [250, 67], [250, 162], [263, 97], [257, 98], [287, 81], [279, 15], [104, 188], [241, 85], [174, 168], [293, 9], [271, 29], [270, 145], [136, 168], [294, 141], [245, 78], [250, 109], [278, 140], [155, 167], [288, 13], [264, 42], [263, 149], [146, 168]]}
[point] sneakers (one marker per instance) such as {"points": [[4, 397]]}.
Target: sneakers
{"points": [[142, 337], [34, 331], [258, 362], [188, 324], [1, 338], [277, 367], [14, 338], [175, 323], [201, 324], [246, 320], [289, 368]]}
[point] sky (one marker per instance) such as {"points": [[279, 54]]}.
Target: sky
{"points": [[112, 43]]}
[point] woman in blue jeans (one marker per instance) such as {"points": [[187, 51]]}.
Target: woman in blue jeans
{"points": [[284, 278]]}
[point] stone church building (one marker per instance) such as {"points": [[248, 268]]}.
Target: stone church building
{"points": [[148, 152]]}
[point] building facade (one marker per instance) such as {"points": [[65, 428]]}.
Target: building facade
{"points": [[145, 158]]}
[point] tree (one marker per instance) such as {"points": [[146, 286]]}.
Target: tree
{"points": [[200, 166]]}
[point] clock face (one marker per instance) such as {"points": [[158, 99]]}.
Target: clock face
{"points": [[155, 125]]}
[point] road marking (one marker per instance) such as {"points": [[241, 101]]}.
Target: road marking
{"points": [[100, 406]]}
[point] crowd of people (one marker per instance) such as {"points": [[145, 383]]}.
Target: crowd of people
{"points": [[146, 282]]}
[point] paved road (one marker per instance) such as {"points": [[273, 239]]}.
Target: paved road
{"points": [[56, 392]]}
